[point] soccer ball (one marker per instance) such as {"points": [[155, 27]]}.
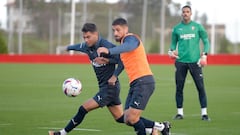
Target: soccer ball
{"points": [[72, 87]]}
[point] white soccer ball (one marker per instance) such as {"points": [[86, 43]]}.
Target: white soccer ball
{"points": [[72, 87]]}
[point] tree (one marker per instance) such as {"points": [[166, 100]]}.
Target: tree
{"points": [[224, 46], [3, 45], [42, 14], [204, 19]]}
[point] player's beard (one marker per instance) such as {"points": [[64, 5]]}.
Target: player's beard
{"points": [[186, 18], [117, 39]]}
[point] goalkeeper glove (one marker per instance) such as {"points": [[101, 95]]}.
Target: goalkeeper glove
{"points": [[173, 54], [202, 61]]}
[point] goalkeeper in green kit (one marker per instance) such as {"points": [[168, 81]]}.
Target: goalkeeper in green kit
{"points": [[185, 48]]}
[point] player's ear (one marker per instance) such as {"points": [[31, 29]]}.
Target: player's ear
{"points": [[95, 33], [125, 29]]}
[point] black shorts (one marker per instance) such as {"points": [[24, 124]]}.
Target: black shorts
{"points": [[140, 91], [108, 95]]}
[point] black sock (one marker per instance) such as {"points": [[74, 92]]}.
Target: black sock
{"points": [[77, 119], [147, 123], [139, 128], [121, 119]]}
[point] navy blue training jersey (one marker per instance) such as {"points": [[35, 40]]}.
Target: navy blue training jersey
{"points": [[102, 71]]}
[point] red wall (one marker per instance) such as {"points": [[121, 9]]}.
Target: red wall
{"points": [[42, 58], [212, 59], [83, 59]]}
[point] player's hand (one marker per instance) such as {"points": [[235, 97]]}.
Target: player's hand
{"points": [[101, 60], [112, 80], [173, 54], [202, 61], [102, 50], [66, 48]]}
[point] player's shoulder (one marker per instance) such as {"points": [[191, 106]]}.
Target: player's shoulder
{"points": [[83, 45], [105, 43], [177, 26], [196, 24], [132, 36]]}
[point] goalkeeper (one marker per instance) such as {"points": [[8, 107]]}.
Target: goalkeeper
{"points": [[185, 48]]}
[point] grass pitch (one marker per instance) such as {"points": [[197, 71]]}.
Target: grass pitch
{"points": [[32, 102]]}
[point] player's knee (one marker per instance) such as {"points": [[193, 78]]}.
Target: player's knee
{"points": [[131, 117], [130, 121]]}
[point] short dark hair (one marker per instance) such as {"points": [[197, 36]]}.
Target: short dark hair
{"points": [[119, 21], [187, 6], [89, 27]]}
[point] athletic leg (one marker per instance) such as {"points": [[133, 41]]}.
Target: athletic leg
{"points": [[132, 118], [149, 124], [117, 112], [180, 76], [138, 97], [197, 76], [88, 106]]}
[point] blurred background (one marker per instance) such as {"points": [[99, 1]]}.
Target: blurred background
{"points": [[44, 26]]}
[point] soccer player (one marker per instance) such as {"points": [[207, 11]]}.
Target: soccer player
{"points": [[185, 48], [140, 76], [109, 87], [107, 76]]}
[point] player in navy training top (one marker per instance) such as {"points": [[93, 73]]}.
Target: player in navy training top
{"points": [[107, 76], [103, 71]]}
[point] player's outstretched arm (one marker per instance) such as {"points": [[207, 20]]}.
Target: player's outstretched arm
{"points": [[77, 47]]}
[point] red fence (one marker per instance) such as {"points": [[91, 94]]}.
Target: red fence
{"points": [[83, 59]]}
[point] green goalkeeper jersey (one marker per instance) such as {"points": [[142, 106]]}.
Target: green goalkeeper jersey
{"points": [[186, 40]]}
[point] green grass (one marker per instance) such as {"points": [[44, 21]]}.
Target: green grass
{"points": [[31, 100]]}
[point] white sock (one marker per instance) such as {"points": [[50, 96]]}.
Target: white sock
{"points": [[204, 111], [63, 132], [148, 130], [159, 126], [180, 111]]}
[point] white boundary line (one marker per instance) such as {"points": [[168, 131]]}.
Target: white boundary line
{"points": [[5, 124], [78, 129], [177, 134]]}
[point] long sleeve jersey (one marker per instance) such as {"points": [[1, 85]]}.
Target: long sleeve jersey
{"points": [[103, 71], [186, 39], [133, 56]]}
